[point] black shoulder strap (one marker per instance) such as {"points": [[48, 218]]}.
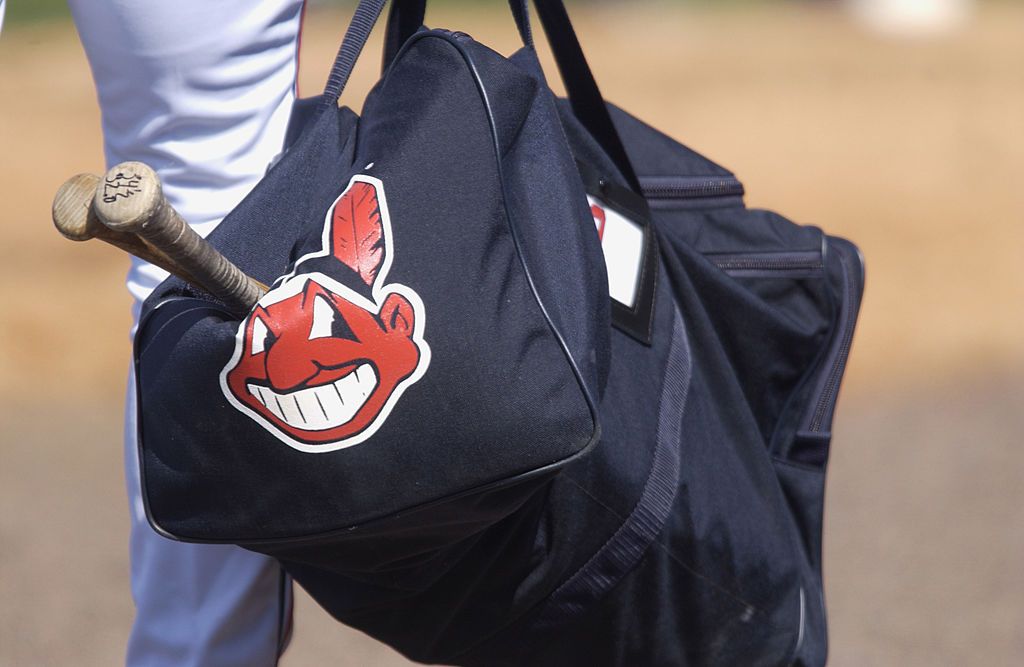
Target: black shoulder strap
{"points": [[587, 102], [363, 20]]}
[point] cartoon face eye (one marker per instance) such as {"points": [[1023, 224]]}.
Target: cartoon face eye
{"points": [[328, 322], [260, 337]]}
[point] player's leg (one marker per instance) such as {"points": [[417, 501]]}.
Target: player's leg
{"points": [[201, 91], [199, 605]]}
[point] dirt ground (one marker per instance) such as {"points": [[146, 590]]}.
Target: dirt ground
{"points": [[914, 149]]}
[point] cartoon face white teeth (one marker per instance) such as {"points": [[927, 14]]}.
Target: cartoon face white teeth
{"points": [[320, 363], [323, 407]]}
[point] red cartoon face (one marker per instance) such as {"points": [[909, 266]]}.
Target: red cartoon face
{"points": [[317, 364]]}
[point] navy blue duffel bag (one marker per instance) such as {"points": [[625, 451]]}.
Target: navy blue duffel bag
{"points": [[531, 385]]}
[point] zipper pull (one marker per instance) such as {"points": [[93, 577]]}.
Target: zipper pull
{"points": [[455, 34]]}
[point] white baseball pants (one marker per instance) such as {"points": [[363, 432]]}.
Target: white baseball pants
{"points": [[201, 91]]}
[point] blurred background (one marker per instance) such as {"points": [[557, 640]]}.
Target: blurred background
{"points": [[896, 123]]}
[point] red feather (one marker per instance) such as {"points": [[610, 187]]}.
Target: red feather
{"points": [[357, 236]]}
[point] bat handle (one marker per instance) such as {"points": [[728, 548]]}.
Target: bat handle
{"points": [[130, 200]]}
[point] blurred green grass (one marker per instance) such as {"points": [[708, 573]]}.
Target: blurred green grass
{"points": [[21, 12], [33, 11]]}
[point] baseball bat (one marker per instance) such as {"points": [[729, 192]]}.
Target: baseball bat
{"points": [[75, 219], [130, 200]]}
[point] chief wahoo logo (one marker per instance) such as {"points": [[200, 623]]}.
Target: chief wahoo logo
{"points": [[317, 363]]}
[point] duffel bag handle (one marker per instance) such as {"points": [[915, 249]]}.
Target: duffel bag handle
{"points": [[406, 17], [366, 16], [588, 104]]}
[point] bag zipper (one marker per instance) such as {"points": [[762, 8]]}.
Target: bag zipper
{"points": [[690, 187], [792, 264], [826, 400]]}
